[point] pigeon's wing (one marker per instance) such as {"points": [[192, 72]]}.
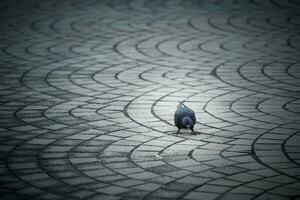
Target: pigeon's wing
{"points": [[193, 117], [177, 118], [189, 113]]}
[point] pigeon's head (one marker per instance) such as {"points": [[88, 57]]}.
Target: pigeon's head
{"points": [[187, 123]]}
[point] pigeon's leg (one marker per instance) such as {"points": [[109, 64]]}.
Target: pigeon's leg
{"points": [[178, 131], [192, 129]]}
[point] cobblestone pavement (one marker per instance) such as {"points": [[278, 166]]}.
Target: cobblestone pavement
{"points": [[89, 89]]}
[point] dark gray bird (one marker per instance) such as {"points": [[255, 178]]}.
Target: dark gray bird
{"points": [[184, 118]]}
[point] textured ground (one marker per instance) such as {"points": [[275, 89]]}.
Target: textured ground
{"points": [[89, 88]]}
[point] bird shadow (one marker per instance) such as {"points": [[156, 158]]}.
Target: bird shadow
{"points": [[195, 133], [186, 132]]}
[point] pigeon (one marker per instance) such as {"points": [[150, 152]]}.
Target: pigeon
{"points": [[184, 118]]}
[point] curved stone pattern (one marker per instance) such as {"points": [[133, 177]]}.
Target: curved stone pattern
{"points": [[89, 88]]}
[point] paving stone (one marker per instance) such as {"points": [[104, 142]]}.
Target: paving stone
{"points": [[193, 180], [148, 186], [143, 175], [113, 190], [166, 194], [244, 177], [129, 183], [201, 195]]}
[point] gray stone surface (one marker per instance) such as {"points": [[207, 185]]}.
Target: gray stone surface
{"points": [[88, 90]]}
